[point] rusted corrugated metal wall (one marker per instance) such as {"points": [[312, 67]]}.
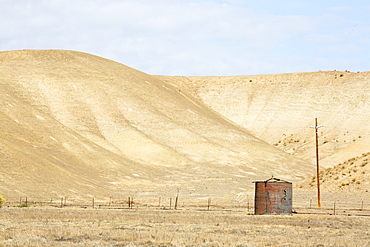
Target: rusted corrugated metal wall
{"points": [[273, 196]]}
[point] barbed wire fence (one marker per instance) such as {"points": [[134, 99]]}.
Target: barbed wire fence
{"points": [[241, 203]]}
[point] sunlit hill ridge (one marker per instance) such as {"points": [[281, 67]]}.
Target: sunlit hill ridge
{"points": [[80, 125]]}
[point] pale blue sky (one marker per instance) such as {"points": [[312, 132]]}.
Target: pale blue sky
{"points": [[205, 37]]}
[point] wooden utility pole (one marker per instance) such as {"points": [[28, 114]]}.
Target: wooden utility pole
{"points": [[316, 127]]}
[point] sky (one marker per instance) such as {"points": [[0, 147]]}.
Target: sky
{"points": [[198, 38]]}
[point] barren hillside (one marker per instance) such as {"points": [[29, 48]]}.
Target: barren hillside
{"points": [[79, 125], [280, 109]]}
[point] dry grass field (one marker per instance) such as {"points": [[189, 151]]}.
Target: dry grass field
{"points": [[73, 226]]}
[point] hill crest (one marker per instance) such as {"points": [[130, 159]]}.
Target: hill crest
{"points": [[80, 124]]}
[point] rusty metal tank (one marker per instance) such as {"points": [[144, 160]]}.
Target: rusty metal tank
{"points": [[273, 196]]}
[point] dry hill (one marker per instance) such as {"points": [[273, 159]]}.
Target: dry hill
{"points": [[280, 109], [79, 125]]}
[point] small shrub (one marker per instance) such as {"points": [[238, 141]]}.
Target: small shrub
{"points": [[2, 200], [24, 205]]}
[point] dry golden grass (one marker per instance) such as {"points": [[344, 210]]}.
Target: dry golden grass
{"points": [[150, 227]]}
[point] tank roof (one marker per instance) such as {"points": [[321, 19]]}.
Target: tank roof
{"points": [[273, 180]]}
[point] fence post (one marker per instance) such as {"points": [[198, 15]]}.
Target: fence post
{"points": [[334, 208], [176, 200], [61, 202]]}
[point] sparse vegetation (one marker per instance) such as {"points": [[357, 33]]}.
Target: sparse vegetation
{"points": [[2, 200], [346, 176]]}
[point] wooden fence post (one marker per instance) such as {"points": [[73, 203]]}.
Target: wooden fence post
{"points": [[176, 200]]}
